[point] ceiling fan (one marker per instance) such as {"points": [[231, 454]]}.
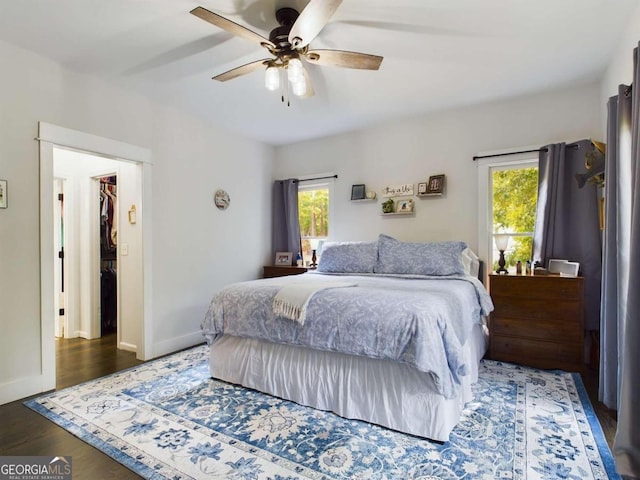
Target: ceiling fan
{"points": [[288, 44]]}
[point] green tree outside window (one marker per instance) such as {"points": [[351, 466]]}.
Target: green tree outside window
{"points": [[313, 214], [515, 195]]}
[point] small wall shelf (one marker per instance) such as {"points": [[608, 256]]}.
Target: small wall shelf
{"points": [[428, 195], [397, 214], [364, 200]]}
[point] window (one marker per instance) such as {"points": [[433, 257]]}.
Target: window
{"points": [[514, 193], [314, 215], [507, 200]]}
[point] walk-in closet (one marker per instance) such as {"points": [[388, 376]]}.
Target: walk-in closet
{"points": [[108, 257]]}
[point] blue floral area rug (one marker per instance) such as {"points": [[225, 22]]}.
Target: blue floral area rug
{"points": [[168, 419]]}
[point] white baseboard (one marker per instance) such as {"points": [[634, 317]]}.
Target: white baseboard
{"points": [[177, 343], [23, 387], [129, 347]]}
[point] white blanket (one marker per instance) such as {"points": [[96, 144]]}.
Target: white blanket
{"points": [[291, 300]]}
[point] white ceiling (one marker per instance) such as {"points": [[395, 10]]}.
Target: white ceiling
{"points": [[437, 54]]}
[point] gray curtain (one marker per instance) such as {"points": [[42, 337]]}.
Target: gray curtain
{"points": [[568, 219], [286, 225], [620, 314]]}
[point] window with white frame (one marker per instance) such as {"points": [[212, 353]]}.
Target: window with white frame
{"points": [[314, 214], [508, 190]]}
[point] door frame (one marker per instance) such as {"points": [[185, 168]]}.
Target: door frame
{"points": [[61, 283], [50, 136]]}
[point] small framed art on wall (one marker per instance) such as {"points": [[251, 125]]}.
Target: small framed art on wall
{"points": [[3, 194]]}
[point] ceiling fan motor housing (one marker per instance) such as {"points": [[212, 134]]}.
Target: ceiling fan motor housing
{"points": [[279, 36]]}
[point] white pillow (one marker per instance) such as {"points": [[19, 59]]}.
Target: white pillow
{"points": [[470, 262]]}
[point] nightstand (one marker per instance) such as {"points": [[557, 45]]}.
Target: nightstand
{"points": [[278, 271], [537, 321]]}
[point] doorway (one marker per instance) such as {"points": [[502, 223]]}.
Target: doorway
{"points": [[98, 244], [133, 167]]}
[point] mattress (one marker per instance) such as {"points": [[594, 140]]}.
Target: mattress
{"points": [[394, 395]]}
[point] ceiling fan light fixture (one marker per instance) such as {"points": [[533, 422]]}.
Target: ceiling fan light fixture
{"points": [[299, 87], [286, 44], [272, 78], [294, 70]]}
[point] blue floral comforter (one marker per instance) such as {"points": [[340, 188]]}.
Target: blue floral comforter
{"points": [[422, 321]]}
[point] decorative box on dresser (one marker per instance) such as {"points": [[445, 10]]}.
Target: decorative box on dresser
{"points": [[537, 321], [280, 271]]}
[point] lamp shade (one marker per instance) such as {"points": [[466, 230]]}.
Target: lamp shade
{"points": [[502, 241]]}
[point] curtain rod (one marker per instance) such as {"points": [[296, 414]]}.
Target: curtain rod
{"points": [[317, 178], [543, 149]]}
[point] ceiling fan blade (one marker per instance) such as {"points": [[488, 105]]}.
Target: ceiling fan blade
{"points": [[311, 20], [231, 27], [340, 58], [241, 70]]}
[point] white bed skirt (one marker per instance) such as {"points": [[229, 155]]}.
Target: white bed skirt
{"points": [[390, 394]]}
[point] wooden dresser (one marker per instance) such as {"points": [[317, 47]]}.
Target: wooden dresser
{"points": [[537, 321], [273, 271]]}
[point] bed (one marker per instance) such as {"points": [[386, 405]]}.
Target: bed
{"points": [[387, 332]]}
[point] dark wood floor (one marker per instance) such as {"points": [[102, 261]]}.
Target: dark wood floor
{"points": [[608, 418], [25, 432]]}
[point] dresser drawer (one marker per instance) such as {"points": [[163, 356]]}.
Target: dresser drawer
{"points": [[536, 353], [561, 311], [565, 331], [550, 287]]}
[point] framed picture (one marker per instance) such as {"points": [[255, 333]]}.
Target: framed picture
{"points": [[284, 259], [436, 184], [358, 192], [3, 194], [422, 188], [404, 206]]}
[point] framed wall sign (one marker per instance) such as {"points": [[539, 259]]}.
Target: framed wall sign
{"points": [[3, 194], [398, 190], [436, 184]]}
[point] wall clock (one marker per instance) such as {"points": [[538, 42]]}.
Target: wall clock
{"points": [[222, 200]]}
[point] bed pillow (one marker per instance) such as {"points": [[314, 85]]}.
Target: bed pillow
{"points": [[470, 262], [348, 257], [437, 258]]}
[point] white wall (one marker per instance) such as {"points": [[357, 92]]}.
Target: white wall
{"points": [[411, 151], [620, 68], [196, 248]]}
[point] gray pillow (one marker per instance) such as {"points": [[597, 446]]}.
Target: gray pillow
{"points": [[438, 258], [348, 257]]}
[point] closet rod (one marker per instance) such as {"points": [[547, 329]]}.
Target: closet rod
{"points": [[543, 149]]}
